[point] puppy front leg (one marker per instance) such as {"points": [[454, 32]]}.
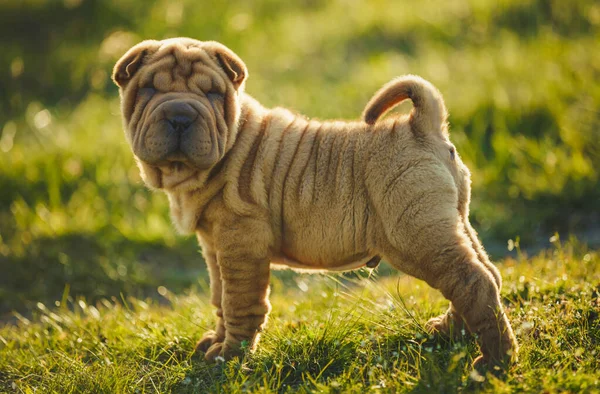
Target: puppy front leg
{"points": [[244, 301], [216, 289]]}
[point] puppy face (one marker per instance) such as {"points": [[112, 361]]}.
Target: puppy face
{"points": [[179, 101]]}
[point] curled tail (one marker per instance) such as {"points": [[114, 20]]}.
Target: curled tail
{"points": [[429, 111]]}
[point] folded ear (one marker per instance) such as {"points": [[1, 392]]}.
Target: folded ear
{"points": [[233, 66], [126, 67]]}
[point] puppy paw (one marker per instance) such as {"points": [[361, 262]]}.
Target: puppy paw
{"points": [[496, 367], [446, 326], [480, 364], [436, 325], [222, 351], [213, 352], [207, 340]]}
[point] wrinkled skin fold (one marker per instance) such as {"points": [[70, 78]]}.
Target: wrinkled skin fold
{"points": [[266, 187]]}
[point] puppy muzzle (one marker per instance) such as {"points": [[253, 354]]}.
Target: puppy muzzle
{"points": [[178, 131]]}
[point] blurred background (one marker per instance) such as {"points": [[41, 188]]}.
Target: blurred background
{"points": [[520, 79]]}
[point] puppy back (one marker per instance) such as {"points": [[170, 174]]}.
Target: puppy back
{"points": [[429, 112]]}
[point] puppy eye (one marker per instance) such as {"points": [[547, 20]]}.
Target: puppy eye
{"points": [[144, 95], [452, 153], [146, 91], [214, 96]]}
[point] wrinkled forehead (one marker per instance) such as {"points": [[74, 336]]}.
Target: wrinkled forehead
{"points": [[181, 65]]}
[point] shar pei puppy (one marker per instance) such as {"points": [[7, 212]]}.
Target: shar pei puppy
{"points": [[262, 187]]}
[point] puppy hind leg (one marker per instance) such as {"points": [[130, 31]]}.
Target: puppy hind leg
{"points": [[453, 268], [481, 253], [474, 294], [451, 324]]}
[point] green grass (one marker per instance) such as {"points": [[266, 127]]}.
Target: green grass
{"points": [[517, 77], [334, 334]]}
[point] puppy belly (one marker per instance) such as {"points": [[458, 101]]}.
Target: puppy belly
{"points": [[335, 264], [310, 241]]}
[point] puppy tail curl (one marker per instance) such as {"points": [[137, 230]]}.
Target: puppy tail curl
{"points": [[429, 112]]}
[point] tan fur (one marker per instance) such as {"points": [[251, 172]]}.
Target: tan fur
{"points": [[264, 187]]}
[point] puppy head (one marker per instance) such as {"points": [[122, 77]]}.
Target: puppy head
{"points": [[180, 104]]}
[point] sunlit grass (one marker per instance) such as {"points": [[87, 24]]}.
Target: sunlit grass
{"points": [[336, 334]]}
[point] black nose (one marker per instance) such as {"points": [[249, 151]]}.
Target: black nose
{"points": [[180, 122], [179, 115]]}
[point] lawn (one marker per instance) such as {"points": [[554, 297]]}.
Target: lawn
{"points": [[340, 334]]}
